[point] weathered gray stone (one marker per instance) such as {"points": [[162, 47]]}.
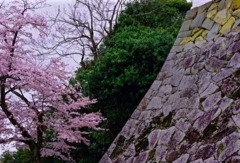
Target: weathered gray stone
{"points": [[191, 13], [183, 125], [130, 151], [184, 34], [235, 47], [176, 49], [194, 102], [160, 151], [203, 121], [144, 115], [197, 22], [211, 101], [220, 54], [188, 46], [206, 151], [177, 41], [208, 24], [127, 131], [236, 36], [176, 78], [180, 113], [194, 148], [204, 51], [235, 61], [132, 123], [197, 161], [149, 94], [144, 102], [220, 40], [210, 89], [229, 150], [189, 92], [214, 65], [141, 127], [165, 136], [221, 5], [225, 103], [204, 7], [153, 138], [187, 81], [213, 32], [236, 107], [185, 26], [166, 110], [200, 42], [222, 16], [211, 160], [135, 114], [155, 103], [180, 103], [156, 84], [165, 90], [105, 159], [176, 139], [171, 56], [172, 98], [194, 114], [228, 140], [224, 73], [130, 160], [237, 22], [204, 78], [197, 66], [168, 65], [189, 61], [236, 119], [233, 159], [120, 159], [142, 157], [182, 159], [219, 46]]}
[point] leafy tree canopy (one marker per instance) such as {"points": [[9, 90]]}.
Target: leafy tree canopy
{"points": [[131, 57]]}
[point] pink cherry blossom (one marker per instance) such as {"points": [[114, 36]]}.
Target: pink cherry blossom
{"points": [[36, 102]]}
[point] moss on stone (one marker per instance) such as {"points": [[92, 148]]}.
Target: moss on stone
{"points": [[195, 30], [141, 145], [237, 73], [211, 14], [228, 25], [213, 6], [209, 130], [119, 147], [151, 155], [205, 33], [220, 149], [236, 4], [185, 41], [167, 120]]}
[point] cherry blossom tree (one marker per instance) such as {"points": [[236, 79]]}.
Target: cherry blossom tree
{"points": [[38, 110]]}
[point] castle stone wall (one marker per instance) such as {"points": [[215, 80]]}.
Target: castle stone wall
{"points": [[191, 113]]}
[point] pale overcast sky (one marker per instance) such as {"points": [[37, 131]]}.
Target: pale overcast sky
{"points": [[199, 2]]}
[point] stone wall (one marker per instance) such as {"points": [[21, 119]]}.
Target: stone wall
{"points": [[191, 113]]}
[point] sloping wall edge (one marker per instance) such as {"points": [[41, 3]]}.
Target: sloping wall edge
{"points": [[191, 113]]}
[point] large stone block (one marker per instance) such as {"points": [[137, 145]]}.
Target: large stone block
{"points": [[197, 22], [222, 16]]}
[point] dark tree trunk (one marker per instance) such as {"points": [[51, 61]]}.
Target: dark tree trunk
{"points": [[36, 155]]}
